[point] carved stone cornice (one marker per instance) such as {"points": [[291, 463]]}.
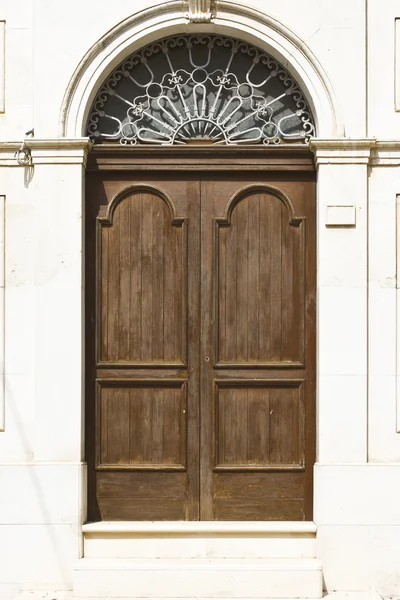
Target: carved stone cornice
{"points": [[47, 151], [342, 151], [386, 153], [371, 151], [200, 11]]}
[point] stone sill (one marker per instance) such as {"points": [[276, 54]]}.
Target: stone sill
{"points": [[187, 527]]}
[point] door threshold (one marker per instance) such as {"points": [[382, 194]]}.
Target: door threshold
{"points": [[187, 527]]}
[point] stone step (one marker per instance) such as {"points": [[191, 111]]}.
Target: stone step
{"points": [[197, 577], [200, 540]]}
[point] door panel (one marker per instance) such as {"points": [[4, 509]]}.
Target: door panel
{"points": [[258, 350], [201, 383], [258, 424], [143, 270], [142, 425], [259, 280], [140, 497], [146, 400]]}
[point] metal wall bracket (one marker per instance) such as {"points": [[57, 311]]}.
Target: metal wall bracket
{"points": [[23, 156]]}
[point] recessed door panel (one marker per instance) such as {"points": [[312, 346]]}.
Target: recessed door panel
{"points": [[259, 424], [260, 281], [143, 268], [142, 425]]}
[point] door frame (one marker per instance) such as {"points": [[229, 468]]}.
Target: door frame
{"points": [[290, 158]]}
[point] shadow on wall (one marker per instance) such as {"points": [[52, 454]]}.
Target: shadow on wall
{"points": [[29, 172], [28, 559]]}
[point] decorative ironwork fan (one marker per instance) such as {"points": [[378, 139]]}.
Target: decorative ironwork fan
{"points": [[200, 89]]}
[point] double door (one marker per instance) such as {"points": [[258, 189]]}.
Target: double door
{"points": [[200, 311]]}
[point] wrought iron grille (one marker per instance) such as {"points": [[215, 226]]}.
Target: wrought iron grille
{"points": [[200, 89]]}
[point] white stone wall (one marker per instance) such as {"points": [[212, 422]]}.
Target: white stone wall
{"points": [[42, 478], [357, 476]]}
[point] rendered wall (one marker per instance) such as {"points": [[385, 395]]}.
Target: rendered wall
{"points": [[42, 479]]}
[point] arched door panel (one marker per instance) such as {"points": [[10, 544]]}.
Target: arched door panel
{"points": [[143, 280], [259, 282]]}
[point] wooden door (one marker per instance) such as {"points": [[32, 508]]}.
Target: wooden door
{"points": [[201, 383], [257, 348], [146, 459]]}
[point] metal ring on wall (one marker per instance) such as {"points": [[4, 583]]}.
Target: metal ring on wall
{"points": [[23, 156]]}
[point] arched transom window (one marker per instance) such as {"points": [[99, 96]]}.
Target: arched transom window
{"points": [[200, 89]]}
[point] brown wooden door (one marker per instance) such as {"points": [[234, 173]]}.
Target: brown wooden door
{"points": [[257, 348], [146, 409], [204, 369]]}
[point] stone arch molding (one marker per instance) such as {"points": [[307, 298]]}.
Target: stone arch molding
{"points": [[223, 17]]}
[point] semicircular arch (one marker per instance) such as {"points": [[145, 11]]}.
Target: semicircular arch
{"points": [[106, 216], [260, 188], [247, 24]]}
